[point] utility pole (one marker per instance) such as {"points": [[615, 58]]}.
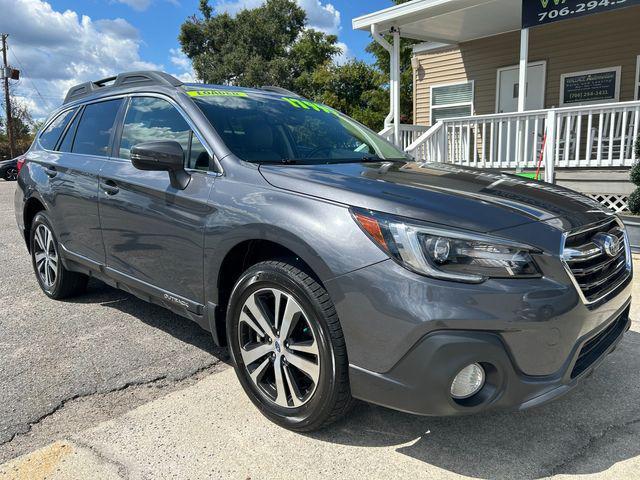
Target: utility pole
{"points": [[7, 99]]}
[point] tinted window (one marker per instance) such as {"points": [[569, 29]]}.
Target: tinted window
{"points": [[265, 128], [67, 140], [95, 128], [198, 156], [51, 134], [151, 119]]}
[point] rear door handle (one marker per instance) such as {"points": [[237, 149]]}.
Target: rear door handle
{"points": [[109, 187], [51, 171]]}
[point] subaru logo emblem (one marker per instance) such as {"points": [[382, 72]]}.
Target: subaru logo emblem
{"points": [[608, 243]]}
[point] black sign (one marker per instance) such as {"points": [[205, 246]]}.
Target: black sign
{"points": [[540, 12], [590, 87]]}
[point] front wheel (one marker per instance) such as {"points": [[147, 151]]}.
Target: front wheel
{"points": [[287, 346]]}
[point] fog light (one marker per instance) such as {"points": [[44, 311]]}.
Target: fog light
{"points": [[468, 382]]}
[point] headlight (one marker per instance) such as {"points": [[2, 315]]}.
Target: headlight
{"points": [[447, 254]]}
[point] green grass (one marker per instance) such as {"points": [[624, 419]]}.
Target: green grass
{"points": [[531, 175]]}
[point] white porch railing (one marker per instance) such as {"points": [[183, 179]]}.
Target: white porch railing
{"points": [[587, 136], [408, 134]]}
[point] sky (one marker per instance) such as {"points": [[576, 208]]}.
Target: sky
{"points": [[60, 43]]}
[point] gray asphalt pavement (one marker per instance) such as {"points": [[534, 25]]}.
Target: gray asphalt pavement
{"points": [[101, 354], [138, 393]]}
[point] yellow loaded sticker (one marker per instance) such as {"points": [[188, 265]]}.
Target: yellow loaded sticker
{"points": [[215, 93], [307, 105]]}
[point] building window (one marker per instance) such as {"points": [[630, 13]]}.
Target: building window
{"points": [[452, 100]]}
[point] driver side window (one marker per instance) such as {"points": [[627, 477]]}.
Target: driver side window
{"points": [[151, 119]]}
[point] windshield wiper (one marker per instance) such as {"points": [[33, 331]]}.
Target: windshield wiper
{"points": [[377, 159], [282, 161]]}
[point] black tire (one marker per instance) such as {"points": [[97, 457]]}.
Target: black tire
{"points": [[66, 283], [331, 398]]}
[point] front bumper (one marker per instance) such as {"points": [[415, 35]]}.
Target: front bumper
{"points": [[408, 336], [420, 382]]}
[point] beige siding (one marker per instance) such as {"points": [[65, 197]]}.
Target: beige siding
{"points": [[596, 41]]}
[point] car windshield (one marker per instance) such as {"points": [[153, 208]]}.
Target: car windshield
{"points": [[264, 128]]}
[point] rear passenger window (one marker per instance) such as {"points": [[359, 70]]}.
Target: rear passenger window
{"points": [[49, 137], [152, 119], [67, 140], [96, 125]]}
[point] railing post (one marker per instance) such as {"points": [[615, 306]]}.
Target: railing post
{"points": [[549, 152]]}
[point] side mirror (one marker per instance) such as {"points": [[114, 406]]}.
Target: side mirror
{"points": [[162, 156]]}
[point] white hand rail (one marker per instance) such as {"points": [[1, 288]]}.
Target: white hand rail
{"points": [[589, 136]]}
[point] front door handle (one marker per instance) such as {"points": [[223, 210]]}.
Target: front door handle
{"points": [[109, 187], [51, 171]]}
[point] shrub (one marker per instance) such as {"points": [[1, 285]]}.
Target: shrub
{"points": [[634, 202], [635, 173]]}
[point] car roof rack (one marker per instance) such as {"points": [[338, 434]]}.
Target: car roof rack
{"points": [[280, 90], [127, 79]]}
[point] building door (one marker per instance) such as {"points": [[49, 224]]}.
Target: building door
{"points": [[508, 88], [507, 101]]}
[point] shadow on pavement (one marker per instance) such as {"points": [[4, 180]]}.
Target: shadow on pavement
{"points": [[155, 316], [536, 443]]}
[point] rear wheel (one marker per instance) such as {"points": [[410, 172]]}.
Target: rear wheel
{"points": [[54, 279], [287, 346]]}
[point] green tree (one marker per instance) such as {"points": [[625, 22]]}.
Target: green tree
{"points": [[23, 130], [354, 88], [267, 45], [271, 45], [383, 62]]}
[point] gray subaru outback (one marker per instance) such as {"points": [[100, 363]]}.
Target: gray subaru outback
{"points": [[332, 265]]}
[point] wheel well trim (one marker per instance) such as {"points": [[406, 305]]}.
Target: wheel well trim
{"points": [[32, 198]]}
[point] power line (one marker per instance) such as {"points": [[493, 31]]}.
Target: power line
{"points": [[29, 78]]}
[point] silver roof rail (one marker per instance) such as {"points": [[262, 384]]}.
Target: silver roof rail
{"points": [[127, 79], [280, 90]]}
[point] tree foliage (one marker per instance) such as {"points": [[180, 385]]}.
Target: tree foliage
{"points": [[271, 45], [24, 129], [383, 62], [267, 45]]}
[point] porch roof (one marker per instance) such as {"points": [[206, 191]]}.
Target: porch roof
{"points": [[446, 21]]}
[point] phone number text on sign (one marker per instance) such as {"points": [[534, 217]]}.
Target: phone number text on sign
{"points": [[540, 12]]}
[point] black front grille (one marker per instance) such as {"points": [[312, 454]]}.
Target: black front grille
{"points": [[595, 272], [596, 346]]}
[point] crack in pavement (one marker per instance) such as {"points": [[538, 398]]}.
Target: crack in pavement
{"points": [[170, 381], [123, 471], [591, 442]]}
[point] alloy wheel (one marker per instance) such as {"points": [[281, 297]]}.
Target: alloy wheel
{"points": [[279, 347], [12, 174], [45, 254]]}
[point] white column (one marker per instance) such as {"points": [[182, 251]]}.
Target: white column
{"points": [[522, 95], [550, 148], [375, 33], [395, 86], [524, 62]]}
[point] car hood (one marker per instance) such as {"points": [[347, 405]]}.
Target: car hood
{"points": [[472, 199]]}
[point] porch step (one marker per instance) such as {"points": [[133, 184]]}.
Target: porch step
{"points": [[592, 181], [595, 181]]}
